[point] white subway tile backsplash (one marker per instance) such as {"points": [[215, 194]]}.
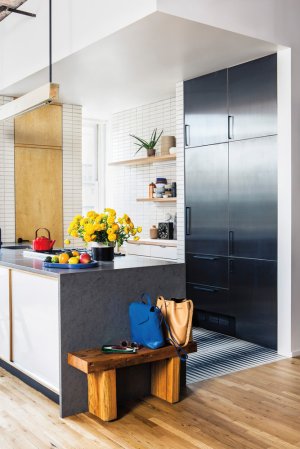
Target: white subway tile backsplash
{"points": [[72, 165], [7, 191], [125, 184]]}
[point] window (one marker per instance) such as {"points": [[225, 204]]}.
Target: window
{"points": [[93, 160]]}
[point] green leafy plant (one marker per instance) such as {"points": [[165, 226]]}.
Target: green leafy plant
{"points": [[141, 143]]}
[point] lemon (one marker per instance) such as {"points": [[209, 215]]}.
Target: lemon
{"points": [[63, 258], [73, 260], [75, 253]]}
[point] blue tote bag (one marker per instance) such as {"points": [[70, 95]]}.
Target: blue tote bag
{"points": [[146, 324]]}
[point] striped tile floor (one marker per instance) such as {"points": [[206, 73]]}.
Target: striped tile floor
{"points": [[220, 354]]}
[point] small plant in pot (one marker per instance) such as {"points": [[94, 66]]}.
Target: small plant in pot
{"points": [[149, 146]]}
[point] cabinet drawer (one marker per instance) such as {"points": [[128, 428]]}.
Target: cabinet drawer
{"points": [[210, 299], [164, 252], [139, 250], [208, 270]]}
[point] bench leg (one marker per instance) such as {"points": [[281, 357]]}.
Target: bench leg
{"points": [[165, 379], [102, 394]]}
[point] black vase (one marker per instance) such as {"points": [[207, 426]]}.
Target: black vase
{"points": [[103, 253]]}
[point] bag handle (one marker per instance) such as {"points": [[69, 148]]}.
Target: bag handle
{"points": [[182, 354], [148, 298]]}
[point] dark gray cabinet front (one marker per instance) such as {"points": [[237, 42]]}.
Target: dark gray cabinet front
{"points": [[253, 198], [253, 289], [206, 111], [206, 182], [252, 98]]}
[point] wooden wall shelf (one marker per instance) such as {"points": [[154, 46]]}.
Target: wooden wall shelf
{"points": [[158, 200], [146, 160]]}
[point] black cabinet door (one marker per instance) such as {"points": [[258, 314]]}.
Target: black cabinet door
{"points": [[206, 179], [206, 110], [253, 198], [253, 289], [252, 98]]}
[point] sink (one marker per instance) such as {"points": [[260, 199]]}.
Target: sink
{"points": [[16, 247]]}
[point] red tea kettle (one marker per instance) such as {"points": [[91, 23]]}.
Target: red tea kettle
{"points": [[42, 243]]}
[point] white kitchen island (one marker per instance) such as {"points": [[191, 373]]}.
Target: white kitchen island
{"points": [[46, 313], [29, 325]]}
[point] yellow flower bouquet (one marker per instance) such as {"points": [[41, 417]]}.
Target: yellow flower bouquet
{"points": [[103, 228]]}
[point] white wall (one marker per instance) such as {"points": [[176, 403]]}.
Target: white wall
{"points": [[76, 24], [276, 21]]}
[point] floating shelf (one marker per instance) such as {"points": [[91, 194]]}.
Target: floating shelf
{"points": [[146, 160], [158, 200]]}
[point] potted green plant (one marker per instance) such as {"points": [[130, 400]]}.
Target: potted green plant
{"points": [[149, 146]]}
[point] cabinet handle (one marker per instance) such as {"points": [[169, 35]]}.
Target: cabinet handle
{"points": [[231, 243], [230, 127], [205, 258], [205, 289], [187, 135], [230, 266], [188, 220]]}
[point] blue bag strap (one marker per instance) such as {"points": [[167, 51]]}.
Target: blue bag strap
{"points": [[148, 297]]}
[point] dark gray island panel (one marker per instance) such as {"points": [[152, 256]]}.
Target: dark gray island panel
{"points": [[94, 311]]}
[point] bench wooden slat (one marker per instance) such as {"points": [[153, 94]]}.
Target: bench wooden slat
{"points": [[92, 360]]}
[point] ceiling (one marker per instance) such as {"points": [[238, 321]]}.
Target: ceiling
{"points": [[142, 63], [9, 4]]}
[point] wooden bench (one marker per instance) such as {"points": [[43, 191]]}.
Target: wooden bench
{"points": [[101, 375]]}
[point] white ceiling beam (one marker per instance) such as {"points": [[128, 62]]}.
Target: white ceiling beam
{"points": [[39, 97]]}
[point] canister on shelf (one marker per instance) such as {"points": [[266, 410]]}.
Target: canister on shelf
{"points": [[151, 190], [153, 232], [167, 142]]}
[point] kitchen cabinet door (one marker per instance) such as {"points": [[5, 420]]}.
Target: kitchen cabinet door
{"points": [[39, 192], [253, 198], [253, 288], [205, 109], [41, 127], [35, 327], [252, 98], [4, 314], [206, 179]]}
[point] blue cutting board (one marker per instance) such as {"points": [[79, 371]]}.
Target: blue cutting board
{"points": [[78, 266]]}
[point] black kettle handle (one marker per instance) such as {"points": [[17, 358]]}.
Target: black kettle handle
{"points": [[36, 232]]}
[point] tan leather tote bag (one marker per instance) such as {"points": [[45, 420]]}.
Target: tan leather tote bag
{"points": [[179, 315]]}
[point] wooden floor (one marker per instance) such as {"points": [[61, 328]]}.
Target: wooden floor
{"points": [[257, 408]]}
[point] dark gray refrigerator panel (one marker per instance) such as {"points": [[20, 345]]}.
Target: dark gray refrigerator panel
{"points": [[252, 98], [253, 198], [207, 269], [210, 299], [206, 111], [253, 288], [206, 182]]}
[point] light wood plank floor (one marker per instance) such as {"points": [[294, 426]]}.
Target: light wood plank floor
{"points": [[258, 408]]}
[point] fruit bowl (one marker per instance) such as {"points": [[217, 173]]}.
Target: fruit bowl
{"points": [[70, 259], [78, 266]]}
